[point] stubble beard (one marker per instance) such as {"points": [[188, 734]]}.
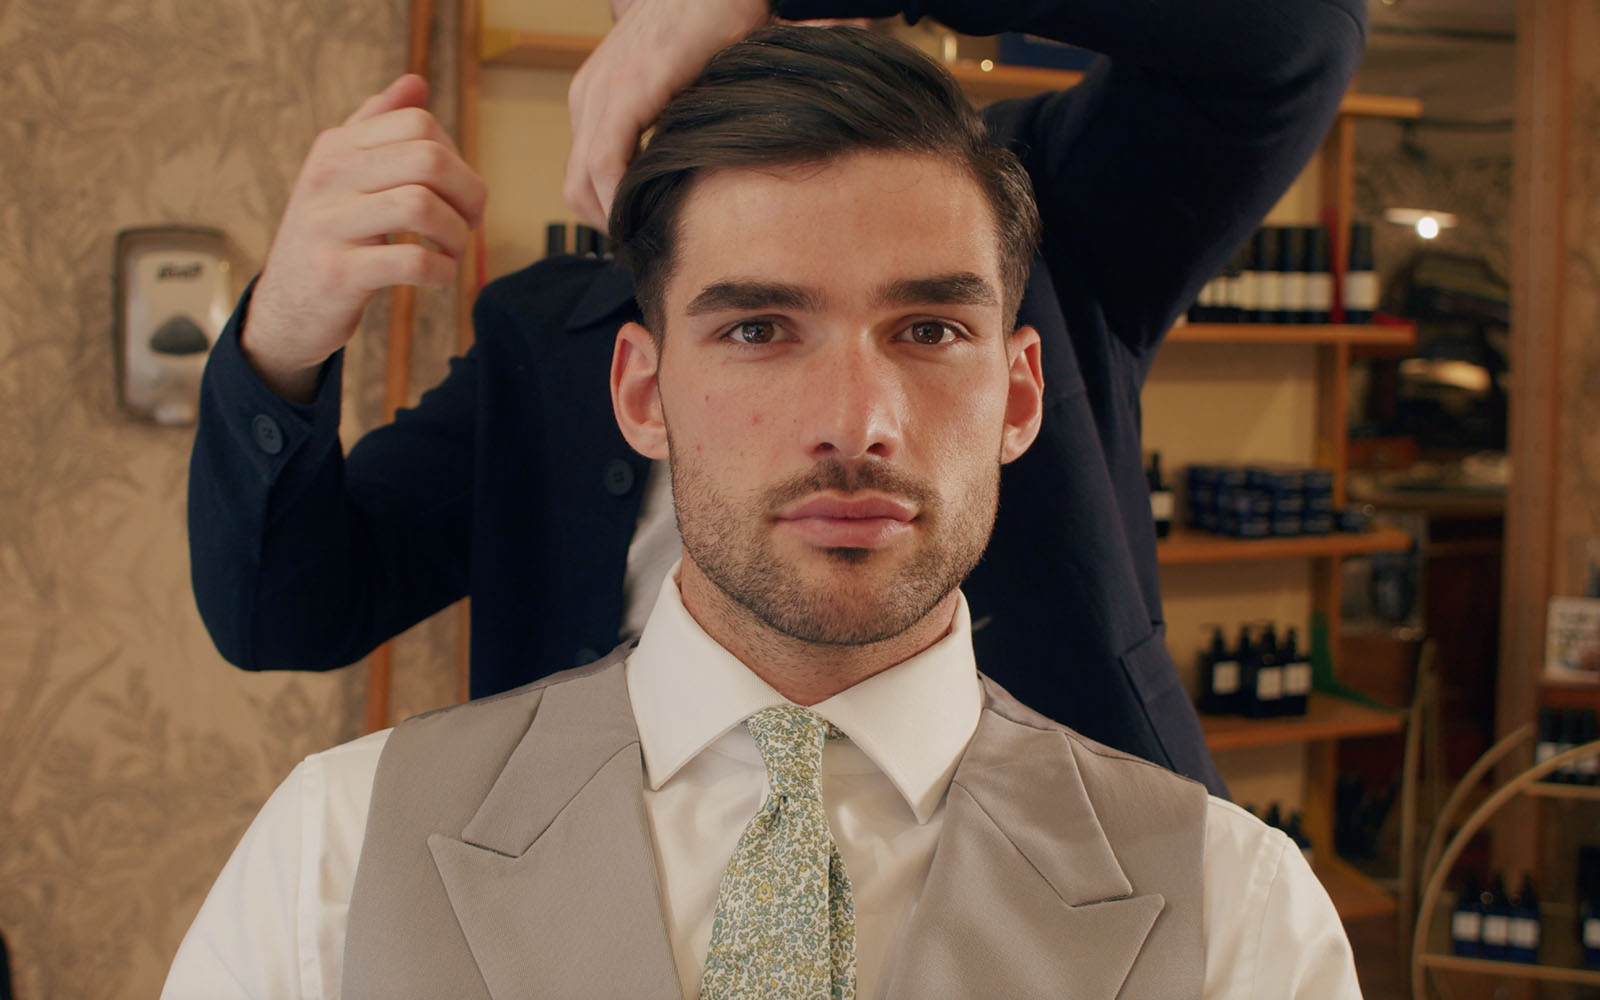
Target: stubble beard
{"points": [[730, 541]]}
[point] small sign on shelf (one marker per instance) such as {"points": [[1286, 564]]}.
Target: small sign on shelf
{"points": [[1572, 641]]}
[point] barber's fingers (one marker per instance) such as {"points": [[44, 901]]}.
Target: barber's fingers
{"points": [[410, 208], [654, 51], [420, 161], [382, 265], [406, 91], [397, 125], [601, 151]]}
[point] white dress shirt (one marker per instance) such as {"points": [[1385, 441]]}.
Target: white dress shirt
{"points": [[273, 924]]}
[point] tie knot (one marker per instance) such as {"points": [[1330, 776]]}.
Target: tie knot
{"points": [[790, 739]]}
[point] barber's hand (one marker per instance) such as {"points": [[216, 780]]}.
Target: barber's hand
{"points": [[655, 50], [390, 169]]}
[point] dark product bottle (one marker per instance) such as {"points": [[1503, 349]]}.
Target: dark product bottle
{"points": [[1231, 308], [555, 239], [1466, 921], [1264, 677], [1247, 287], [1268, 279], [1589, 904], [1296, 676], [1292, 268], [1496, 919], [588, 241], [1219, 677], [1244, 654], [1360, 276], [1274, 816], [1319, 279], [1566, 739], [1586, 770], [1525, 924], [1589, 931], [1162, 500], [1549, 738]]}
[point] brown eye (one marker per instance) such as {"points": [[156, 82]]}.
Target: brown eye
{"points": [[930, 333], [753, 332]]}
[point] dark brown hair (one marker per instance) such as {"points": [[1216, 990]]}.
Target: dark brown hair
{"points": [[795, 95]]}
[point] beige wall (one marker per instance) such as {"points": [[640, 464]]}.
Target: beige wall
{"points": [[133, 755]]}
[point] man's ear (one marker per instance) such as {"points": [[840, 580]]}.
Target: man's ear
{"points": [[635, 397], [1024, 394]]}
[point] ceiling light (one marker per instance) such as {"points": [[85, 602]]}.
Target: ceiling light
{"points": [[1427, 222]]}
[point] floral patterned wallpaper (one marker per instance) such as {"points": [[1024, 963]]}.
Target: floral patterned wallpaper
{"points": [[133, 755]]}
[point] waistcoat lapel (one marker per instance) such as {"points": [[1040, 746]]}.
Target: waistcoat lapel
{"points": [[1025, 896], [553, 880]]}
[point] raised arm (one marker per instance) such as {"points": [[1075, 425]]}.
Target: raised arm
{"points": [[1166, 157], [298, 559]]}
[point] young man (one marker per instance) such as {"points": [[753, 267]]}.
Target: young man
{"points": [[830, 360], [510, 481]]}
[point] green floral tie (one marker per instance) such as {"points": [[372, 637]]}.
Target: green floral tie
{"points": [[785, 924]]}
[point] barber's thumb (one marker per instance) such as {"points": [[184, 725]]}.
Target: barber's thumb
{"points": [[407, 91]]}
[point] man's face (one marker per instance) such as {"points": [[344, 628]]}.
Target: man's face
{"points": [[837, 390]]}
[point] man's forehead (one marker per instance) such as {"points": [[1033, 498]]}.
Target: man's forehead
{"points": [[891, 226]]}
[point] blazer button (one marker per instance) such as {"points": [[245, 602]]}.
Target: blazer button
{"points": [[618, 477], [586, 656], [268, 437]]}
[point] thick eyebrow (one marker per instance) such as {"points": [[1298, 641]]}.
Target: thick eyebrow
{"points": [[738, 295], [962, 288]]}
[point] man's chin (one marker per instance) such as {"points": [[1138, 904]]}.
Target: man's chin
{"points": [[851, 556]]}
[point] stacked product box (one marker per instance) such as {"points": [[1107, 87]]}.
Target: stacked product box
{"points": [[1260, 501]]}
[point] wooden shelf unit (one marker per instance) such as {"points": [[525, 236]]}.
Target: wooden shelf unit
{"points": [[1398, 337], [544, 50], [1551, 790], [1512, 970], [1185, 546], [1328, 717], [1434, 908]]}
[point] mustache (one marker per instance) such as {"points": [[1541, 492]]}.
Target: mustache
{"points": [[838, 477]]}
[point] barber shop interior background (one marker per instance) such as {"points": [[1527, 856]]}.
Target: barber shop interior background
{"points": [[1377, 432]]}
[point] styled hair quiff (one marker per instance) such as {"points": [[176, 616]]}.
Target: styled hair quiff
{"points": [[789, 95]]}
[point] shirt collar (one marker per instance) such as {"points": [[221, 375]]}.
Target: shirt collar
{"points": [[913, 720]]}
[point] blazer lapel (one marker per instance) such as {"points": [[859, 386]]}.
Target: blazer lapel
{"points": [[1025, 896], [553, 881]]}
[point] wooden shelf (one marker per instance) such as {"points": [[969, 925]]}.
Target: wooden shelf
{"points": [[1184, 546], [1328, 717], [1009, 81], [1398, 337], [1512, 970], [1551, 790], [1354, 895], [533, 49], [542, 50]]}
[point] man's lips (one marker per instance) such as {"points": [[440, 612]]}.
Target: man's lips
{"points": [[855, 522]]}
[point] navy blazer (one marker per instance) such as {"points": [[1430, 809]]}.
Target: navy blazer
{"points": [[509, 481]]}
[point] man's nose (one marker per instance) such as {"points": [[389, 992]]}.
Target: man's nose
{"points": [[857, 403]]}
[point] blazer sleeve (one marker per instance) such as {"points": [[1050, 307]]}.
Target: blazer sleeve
{"points": [[302, 558], [1164, 159]]}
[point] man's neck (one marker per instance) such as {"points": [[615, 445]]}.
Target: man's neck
{"points": [[803, 672]]}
